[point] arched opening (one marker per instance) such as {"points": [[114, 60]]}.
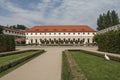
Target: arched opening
{"points": [[31, 42], [88, 40], [36, 42]]}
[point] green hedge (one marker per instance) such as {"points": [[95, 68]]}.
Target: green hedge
{"points": [[7, 43], [70, 69], [14, 52], [11, 64], [112, 57], [109, 41]]}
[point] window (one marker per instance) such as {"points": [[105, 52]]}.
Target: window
{"points": [[64, 33], [88, 33], [49, 33], [59, 33], [31, 33], [40, 33], [35, 33]]}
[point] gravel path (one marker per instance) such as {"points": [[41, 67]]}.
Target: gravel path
{"points": [[44, 67]]}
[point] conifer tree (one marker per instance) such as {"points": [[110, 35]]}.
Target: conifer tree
{"points": [[108, 19]]}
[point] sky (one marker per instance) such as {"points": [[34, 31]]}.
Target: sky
{"points": [[55, 12]]}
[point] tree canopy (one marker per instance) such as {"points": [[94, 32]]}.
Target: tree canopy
{"points": [[1, 29], [18, 26], [108, 19]]}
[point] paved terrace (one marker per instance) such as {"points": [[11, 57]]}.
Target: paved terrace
{"points": [[44, 67]]}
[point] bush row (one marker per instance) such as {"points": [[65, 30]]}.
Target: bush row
{"points": [[20, 60], [108, 41], [73, 72], [65, 67], [14, 52], [7, 43]]}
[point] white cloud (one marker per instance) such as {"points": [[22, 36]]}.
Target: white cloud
{"points": [[57, 12]]}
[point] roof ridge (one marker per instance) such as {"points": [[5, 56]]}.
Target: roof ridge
{"points": [[61, 28]]}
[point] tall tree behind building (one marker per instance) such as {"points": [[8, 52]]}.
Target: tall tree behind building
{"points": [[108, 19], [1, 29], [18, 26]]}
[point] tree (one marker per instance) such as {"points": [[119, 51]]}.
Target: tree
{"points": [[21, 27], [108, 19], [18, 26], [1, 29], [115, 18]]}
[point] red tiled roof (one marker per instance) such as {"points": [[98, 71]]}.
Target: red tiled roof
{"points": [[61, 28]]}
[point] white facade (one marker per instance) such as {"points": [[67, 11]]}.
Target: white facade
{"points": [[38, 37], [108, 29], [15, 33], [18, 34]]}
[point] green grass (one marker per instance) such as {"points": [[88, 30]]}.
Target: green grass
{"points": [[65, 68], [10, 58], [97, 68], [6, 59]]}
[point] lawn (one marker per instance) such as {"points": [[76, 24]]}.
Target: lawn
{"points": [[97, 68], [10, 58], [65, 68]]}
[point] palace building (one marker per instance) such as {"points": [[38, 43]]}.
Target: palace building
{"points": [[18, 34], [60, 35]]}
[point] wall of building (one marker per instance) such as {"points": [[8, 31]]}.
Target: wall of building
{"points": [[13, 33], [108, 29], [19, 35], [37, 36]]}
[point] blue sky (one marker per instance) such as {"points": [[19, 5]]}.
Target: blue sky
{"points": [[54, 12]]}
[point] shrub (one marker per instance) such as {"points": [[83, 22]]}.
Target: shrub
{"points": [[109, 41], [7, 43]]}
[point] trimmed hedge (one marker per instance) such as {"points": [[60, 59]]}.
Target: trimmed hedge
{"points": [[14, 52], [7, 43], [115, 58], [73, 71], [108, 41], [20, 60]]}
